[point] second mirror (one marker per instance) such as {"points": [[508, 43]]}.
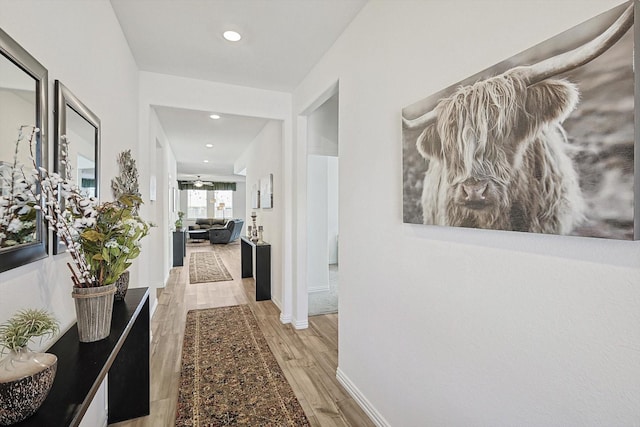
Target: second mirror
{"points": [[77, 145]]}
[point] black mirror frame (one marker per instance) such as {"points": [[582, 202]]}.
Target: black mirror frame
{"points": [[64, 97], [29, 252]]}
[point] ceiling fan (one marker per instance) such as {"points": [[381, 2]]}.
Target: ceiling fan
{"points": [[199, 183]]}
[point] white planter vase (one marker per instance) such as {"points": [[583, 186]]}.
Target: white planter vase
{"points": [[25, 381]]}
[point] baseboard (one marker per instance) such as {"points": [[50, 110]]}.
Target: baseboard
{"points": [[318, 289], [362, 401], [285, 319], [153, 308], [300, 324]]}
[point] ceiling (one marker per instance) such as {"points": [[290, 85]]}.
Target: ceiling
{"points": [[190, 130], [282, 41]]}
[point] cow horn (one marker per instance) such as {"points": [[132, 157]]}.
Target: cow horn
{"points": [[581, 55], [421, 121], [558, 64]]}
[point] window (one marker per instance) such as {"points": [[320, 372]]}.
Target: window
{"points": [[196, 204], [207, 204], [223, 207]]}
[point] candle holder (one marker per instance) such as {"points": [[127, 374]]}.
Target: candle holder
{"points": [[260, 241], [254, 229], [249, 231]]}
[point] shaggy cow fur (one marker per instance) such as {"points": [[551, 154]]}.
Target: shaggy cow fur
{"points": [[497, 158]]}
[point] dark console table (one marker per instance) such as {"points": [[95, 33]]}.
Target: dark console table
{"points": [[83, 366], [263, 266], [179, 248]]}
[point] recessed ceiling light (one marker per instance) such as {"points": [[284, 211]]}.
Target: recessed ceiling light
{"points": [[209, 145], [214, 116], [232, 36], [206, 161]]}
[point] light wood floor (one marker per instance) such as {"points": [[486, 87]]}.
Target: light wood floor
{"points": [[309, 357]]}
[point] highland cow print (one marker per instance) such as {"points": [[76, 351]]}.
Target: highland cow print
{"points": [[542, 142]]}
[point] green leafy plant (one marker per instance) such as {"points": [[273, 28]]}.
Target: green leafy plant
{"points": [[17, 332], [111, 242], [179, 223], [102, 238]]}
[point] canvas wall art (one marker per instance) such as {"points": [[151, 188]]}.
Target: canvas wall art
{"points": [[255, 197], [266, 192], [542, 142]]}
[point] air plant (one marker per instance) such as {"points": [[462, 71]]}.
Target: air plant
{"points": [[17, 332]]}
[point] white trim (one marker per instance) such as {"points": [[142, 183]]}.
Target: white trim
{"points": [[361, 400], [276, 302], [320, 288], [300, 324], [154, 307], [284, 319], [300, 291]]}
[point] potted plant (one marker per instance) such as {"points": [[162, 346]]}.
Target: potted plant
{"points": [[179, 223], [102, 239], [25, 377]]}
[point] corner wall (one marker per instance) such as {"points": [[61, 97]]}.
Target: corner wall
{"points": [[264, 157], [452, 326]]}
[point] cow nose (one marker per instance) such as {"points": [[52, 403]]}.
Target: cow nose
{"points": [[475, 190]]}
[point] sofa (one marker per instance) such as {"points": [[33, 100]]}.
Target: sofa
{"points": [[207, 223], [203, 225], [230, 232]]}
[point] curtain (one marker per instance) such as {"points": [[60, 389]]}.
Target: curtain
{"points": [[188, 185]]}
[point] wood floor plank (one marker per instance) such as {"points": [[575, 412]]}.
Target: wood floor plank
{"points": [[308, 358]]}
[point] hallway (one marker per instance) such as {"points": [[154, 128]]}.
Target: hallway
{"points": [[307, 357]]}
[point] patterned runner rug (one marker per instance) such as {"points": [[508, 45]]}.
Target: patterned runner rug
{"points": [[207, 267], [229, 376]]}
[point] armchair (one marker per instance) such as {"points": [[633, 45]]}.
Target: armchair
{"points": [[229, 233]]}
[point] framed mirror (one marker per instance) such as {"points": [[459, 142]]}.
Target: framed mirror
{"points": [[77, 145], [23, 102]]}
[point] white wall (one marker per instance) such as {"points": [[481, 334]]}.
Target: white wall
{"points": [[471, 327], [264, 157], [15, 111], [317, 224], [332, 208], [159, 245], [82, 45], [322, 220], [240, 202], [322, 196], [323, 129]]}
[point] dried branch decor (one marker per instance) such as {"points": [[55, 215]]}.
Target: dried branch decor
{"points": [[127, 181]]}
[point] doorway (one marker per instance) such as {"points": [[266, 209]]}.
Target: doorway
{"points": [[322, 208]]}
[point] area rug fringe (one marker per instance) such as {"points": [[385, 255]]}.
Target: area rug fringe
{"points": [[207, 267], [229, 375]]}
